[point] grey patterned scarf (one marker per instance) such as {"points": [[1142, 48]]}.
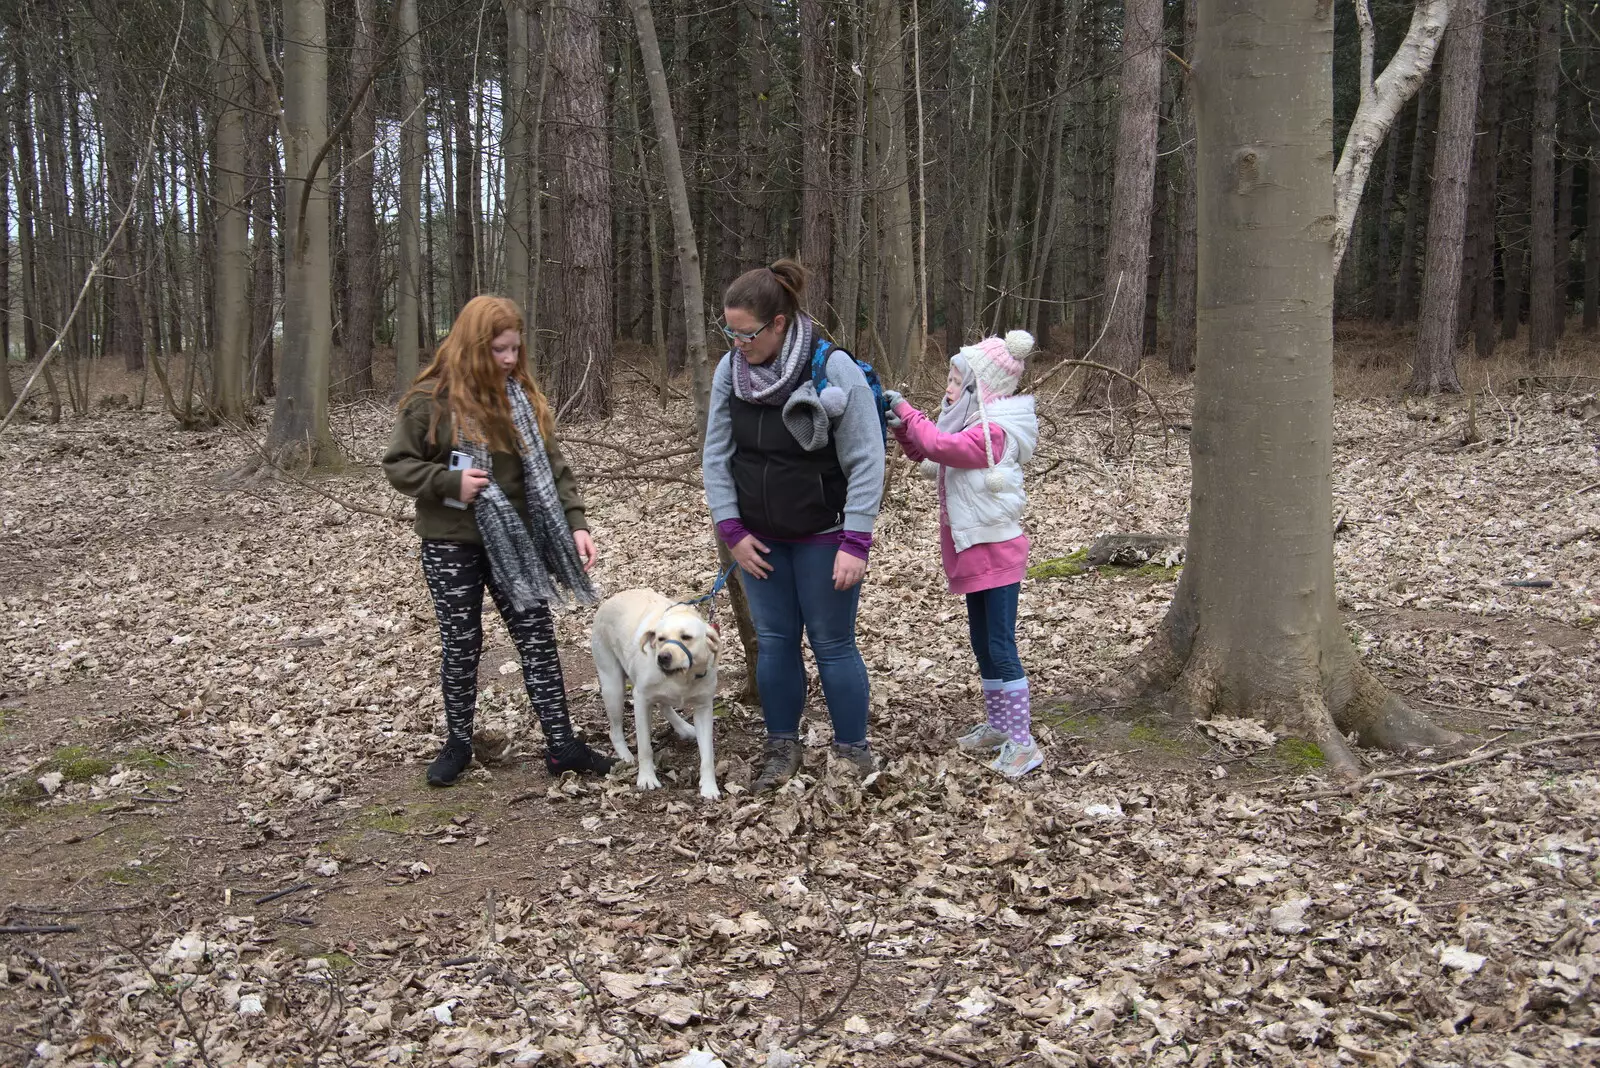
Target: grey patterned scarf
{"points": [[530, 561], [771, 383]]}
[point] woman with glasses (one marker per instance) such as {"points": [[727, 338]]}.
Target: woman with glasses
{"points": [[794, 479]]}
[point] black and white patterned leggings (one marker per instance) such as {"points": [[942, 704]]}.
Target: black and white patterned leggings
{"points": [[457, 573]]}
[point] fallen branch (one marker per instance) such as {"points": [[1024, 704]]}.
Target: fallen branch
{"points": [[1434, 769], [50, 969], [944, 1055], [39, 928], [265, 898]]}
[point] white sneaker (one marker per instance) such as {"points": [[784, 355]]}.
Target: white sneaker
{"points": [[982, 739], [1015, 760]]}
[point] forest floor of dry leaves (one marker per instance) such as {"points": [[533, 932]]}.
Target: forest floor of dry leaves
{"points": [[216, 846]]}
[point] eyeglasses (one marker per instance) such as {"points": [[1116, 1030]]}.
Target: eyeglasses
{"points": [[740, 335]]}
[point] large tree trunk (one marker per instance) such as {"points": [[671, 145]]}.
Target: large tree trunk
{"points": [[1591, 249], [266, 188], [581, 122], [902, 345], [8, 394], [360, 225], [1434, 369], [816, 167], [693, 294], [126, 331], [516, 121], [413, 148], [1129, 247], [1542, 197], [1383, 295], [1562, 246], [463, 230], [230, 356], [1254, 627], [300, 433]]}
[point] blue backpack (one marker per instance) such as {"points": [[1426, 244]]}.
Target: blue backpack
{"points": [[819, 379]]}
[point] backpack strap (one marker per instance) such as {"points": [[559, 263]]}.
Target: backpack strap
{"points": [[819, 364]]}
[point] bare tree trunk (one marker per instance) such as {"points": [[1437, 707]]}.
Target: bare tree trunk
{"points": [[1542, 200], [1126, 271], [230, 357], [579, 115], [265, 187], [1591, 248], [300, 433], [516, 116], [693, 294], [1405, 287], [413, 149], [463, 231], [848, 301], [1254, 625], [360, 227], [892, 182], [126, 331], [1383, 295], [8, 394], [1381, 101], [1180, 356], [956, 257], [816, 141], [1562, 250], [1434, 368]]}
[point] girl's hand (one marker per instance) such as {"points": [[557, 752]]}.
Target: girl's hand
{"points": [[748, 554], [585, 546], [847, 570], [472, 483]]}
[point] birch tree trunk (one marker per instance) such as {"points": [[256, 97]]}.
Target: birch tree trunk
{"points": [[230, 357], [413, 147], [579, 117], [1380, 101], [1542, 196], [300, 434], [694, 303], [1434, 368], [1254, 625], [1128, 248]]}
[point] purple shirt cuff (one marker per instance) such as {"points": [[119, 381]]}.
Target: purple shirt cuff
{"points": [[858, 543], [732, 532]]}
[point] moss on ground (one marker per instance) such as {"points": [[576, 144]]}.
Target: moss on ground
{"points": [[1301, 754]]}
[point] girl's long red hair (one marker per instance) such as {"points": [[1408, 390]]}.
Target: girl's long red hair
{"points": [[463, 378]]}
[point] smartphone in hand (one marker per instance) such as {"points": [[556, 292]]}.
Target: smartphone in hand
{"points": [[459, 461]]}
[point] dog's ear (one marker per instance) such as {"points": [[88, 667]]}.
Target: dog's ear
{"points": [[647, 641]]}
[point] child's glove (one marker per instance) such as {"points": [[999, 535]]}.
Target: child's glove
{"points": [[891, 416]]}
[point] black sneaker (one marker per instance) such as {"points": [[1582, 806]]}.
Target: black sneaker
{"points": [[578, 757], [782, 757], [452, 760]]}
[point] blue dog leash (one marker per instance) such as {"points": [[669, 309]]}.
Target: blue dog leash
{"points": [[716, 588]]}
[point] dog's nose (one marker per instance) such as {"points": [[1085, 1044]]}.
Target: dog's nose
{"points": [[664, 659]]}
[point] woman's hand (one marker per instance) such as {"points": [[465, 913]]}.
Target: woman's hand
{"points": [[847, 570], [748, 555], [585, 546], [472, 483]]}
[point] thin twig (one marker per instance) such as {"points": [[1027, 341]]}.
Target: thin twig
{"points": [[264, 899], [599, 1011], [50, 969], [944, 1054]]}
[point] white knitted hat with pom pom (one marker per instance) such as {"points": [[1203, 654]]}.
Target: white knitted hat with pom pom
{"points": [[997, 363]]}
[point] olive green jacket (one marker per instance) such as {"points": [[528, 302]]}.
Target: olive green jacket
{"points": [[420, 468]]}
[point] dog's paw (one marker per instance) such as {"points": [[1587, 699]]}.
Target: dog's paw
{"points": [[709, 791], [624, 754], [647, 780]]}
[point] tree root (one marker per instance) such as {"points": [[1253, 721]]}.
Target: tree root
{"points": [[1380, 719]]}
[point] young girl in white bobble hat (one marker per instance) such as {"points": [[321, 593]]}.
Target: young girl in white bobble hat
{"points": [[976, 449]]}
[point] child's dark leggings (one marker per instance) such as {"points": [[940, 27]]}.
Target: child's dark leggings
{"points": [[457, 573], [992, 624]]}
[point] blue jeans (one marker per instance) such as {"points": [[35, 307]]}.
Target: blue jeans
{"points": [[992, 622], [798, 595]]}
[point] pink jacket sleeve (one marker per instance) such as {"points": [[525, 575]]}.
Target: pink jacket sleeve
{"points": [[922, 439]]}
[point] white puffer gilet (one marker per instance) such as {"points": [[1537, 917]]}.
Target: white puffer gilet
{"points": [[985, 504]]}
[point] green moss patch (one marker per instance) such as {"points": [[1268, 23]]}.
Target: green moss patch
{"points": [[1061, 566], [1298, 753]]}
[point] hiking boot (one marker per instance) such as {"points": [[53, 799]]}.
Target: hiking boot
{"points": [[578, 757], [858, 757], [452, 760], [981, 739], [781, 760], [1016, 760]]}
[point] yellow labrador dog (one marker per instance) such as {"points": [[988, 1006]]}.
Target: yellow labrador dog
{"points": [[669, 653]]}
